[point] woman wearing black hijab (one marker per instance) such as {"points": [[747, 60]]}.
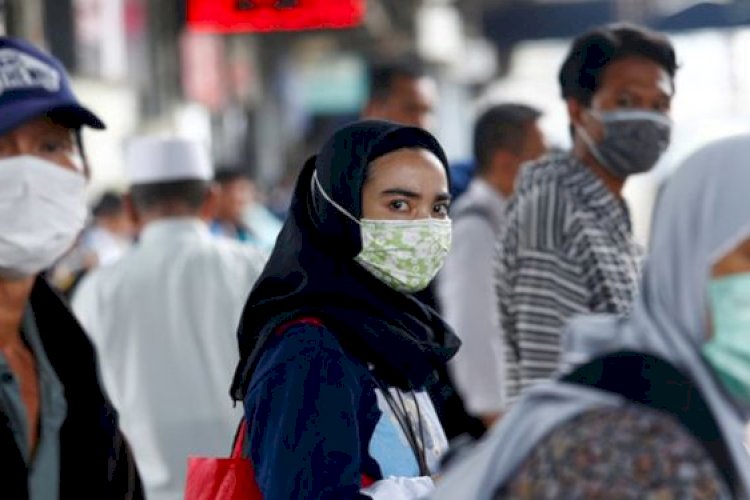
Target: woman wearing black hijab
{"points": [[335, 352]]}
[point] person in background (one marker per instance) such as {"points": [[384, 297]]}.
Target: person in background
{"points": [[104, 241], [60, 436], [240, 214], [463, 172], [162, 317], [335, 351], [401, 92], [235, 194], [111, 234], [567, 247], [654, 405], [505, 137]]}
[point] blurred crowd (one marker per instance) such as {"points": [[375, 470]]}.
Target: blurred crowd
{"points": [[389, 325]]}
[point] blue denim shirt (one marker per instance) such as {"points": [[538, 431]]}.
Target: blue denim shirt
{"points": [[44, 464]]}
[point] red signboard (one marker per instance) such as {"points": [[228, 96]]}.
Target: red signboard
{"points": [[235, 16]]}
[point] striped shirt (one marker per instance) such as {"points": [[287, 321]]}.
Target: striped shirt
{"points": [[567, 248]]}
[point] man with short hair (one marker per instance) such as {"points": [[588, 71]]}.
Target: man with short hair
{"points": [[568, 246], [506, 136], [235, 194], [59, 436], [164, 317], [401, 92], [108, 238], [111, 234]]}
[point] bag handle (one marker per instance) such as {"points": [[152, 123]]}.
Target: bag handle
{"points": [[241, 435], [239, 439]]}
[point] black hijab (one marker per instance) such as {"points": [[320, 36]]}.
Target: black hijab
{"points": [[312, 271]]}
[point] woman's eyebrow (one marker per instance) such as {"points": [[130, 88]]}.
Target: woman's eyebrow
{"points": [[401, 192]]}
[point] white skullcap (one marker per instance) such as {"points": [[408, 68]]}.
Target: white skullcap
{"points": [[152, 159]]}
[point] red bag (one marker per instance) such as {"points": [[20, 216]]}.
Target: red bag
{"points": [[233, 478], [230, 478]]}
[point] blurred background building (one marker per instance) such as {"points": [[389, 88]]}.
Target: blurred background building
{"points": [[266, 99]]}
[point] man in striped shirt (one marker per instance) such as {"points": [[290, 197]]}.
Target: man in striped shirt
{"points": [[567, 246]]}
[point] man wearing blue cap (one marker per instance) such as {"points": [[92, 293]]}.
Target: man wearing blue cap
{"points": [[59, 434]]}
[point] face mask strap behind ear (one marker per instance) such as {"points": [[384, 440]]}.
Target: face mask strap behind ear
{"points": [[589, 142], [82, 153], [316, 183]]}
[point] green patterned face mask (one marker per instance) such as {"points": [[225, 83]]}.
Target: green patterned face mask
{"points": [[404, 254]]}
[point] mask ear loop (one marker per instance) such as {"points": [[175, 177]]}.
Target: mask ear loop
{"points": [[314, 182], [82, 152], [586, 138]]}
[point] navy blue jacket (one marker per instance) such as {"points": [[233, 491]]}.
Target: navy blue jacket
{"points": [[312, 414], [95, 458]]}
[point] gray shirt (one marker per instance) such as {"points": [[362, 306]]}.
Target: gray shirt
{"points": [[468, 301], [566, 249], [44, 464]]}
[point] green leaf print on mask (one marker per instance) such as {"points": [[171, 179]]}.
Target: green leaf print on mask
{"points": [[405, 255]]}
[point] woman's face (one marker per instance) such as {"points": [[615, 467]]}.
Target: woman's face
{"points": [[406, 184], [735, 262]]}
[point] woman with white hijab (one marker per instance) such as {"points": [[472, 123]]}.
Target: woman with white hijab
{"points": [[658, 401]]}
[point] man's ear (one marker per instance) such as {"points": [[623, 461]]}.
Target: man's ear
{"points": [[575, 110], [210, 205], [373, 109], [131, 211]]}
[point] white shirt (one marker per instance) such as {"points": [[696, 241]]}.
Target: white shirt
{"points": [[468, 300], [107, 246], [164, 320]]}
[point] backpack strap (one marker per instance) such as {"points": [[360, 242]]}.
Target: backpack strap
{"points": [[302, 320], [657, 384]]}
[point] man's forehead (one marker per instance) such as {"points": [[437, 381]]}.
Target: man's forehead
{"points": [[38, 125]]}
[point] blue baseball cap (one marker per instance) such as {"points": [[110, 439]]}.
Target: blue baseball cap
{"points": [[33, 84]]}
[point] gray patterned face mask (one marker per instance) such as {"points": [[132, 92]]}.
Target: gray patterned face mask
{"points": [[633, 142]]}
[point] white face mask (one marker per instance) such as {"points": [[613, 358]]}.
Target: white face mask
{"points": [[404, 254], [43, 207]]}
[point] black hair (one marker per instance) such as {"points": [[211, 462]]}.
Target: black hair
{"points": [[581, 72], [227, 174], [502, 127], [383, 74], [109, 203], [189, 193]]}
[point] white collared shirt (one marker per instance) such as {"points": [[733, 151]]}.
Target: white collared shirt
{"points": [[468, 301], [164, 321]]}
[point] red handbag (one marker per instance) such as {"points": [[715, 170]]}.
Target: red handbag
{"points": [[230, 478], [233, 478]]}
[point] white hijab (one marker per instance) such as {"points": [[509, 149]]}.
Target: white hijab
{"points": [[703, 214]]}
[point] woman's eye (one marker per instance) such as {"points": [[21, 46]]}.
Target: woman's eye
{"points": [[441, 209], [399, 205]]}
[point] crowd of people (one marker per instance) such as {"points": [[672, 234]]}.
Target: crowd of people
{"points": [[412, 329]]}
